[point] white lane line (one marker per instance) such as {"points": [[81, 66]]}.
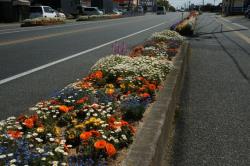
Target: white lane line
{"points": [[241, 26], [226, 20], [73, 56]]}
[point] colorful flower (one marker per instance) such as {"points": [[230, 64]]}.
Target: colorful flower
{"points": [[100, 144]]}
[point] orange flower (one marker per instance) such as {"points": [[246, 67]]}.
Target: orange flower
{"points": [[100, 144], [29, 122], [152, 87], [85, 136], [99, 74], [14, 134], [110, 149], [86, 85], [64, 108], [145, 95]]}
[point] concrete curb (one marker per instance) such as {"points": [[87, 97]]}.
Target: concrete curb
{"points": [[151, 138]]}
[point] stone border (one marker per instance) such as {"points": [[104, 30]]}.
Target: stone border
{"points": [[152, 137]]}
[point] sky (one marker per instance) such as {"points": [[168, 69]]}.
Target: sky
{"points": [[181, 3]]}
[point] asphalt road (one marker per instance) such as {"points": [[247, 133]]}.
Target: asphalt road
{"points": [[213, 125], [37, 61]]}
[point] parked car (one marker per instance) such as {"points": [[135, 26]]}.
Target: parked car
{"points": [[116, 11], [247, 11], [89, 11], [42, 11], [60, 14], [161, 10]]}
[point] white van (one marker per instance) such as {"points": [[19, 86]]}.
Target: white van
{"points": [[42, 11]]}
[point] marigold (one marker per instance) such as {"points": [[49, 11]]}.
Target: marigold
{"points": [[64, 108], [145, 95], [100, 144], [152, 87], [14, 134], [110, 149], [85, 135], [109, 91], [29, 123]]}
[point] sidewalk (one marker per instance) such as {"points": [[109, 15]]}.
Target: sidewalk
{"points": [[213, 125]]}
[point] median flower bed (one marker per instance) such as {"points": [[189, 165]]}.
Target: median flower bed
{"points": [[186, 26], [42, 21], [90, 121], [98, 17]]}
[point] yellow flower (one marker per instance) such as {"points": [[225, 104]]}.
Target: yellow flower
{"points": [[58, 131], [122, 86], [109, 91], [81, 125], [111, 86], [40, 129]]}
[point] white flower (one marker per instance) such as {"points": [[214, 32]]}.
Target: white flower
{"points": [[10, 154], [40, 150], [33, 108], [95, 114], [91, 110], [49, 134], [63, 142], [69, 146], [124, 137], [108, 115], [2, 156], [63, 164], [43, 159], [11, 118], [51, 139], [51, 153], [31, 145], [54, 116], [55, 163], [35, 134], [13, 161], [28, 136], [104, 136], [116, 141], [39, 140]]}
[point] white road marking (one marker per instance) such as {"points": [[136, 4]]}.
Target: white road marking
{"points": [[241, 26], [73, 56], [226, 20]]}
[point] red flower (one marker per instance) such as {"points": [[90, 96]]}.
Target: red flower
{"points": [[14, 134], [110, 149], [29, 123], [95, 133], [152, 87], [100, 144], [145, 95], [81, 100]]}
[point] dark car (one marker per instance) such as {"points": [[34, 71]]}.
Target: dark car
{"points": [[247, 11], [161, 10]]}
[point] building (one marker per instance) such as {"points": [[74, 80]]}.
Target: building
{"points": [[14, 10], [233, 7]]}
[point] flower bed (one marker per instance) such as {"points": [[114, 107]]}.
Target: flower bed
{"points": [[42, 21], [98, 17], [186, 26], [89, 121]]}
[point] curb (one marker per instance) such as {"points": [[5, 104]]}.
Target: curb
{"points": [[152, 137]]}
